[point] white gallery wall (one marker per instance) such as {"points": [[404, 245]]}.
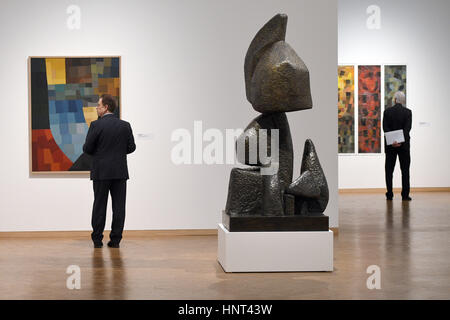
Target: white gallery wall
{"points": [[415, 33], [182, 61]]}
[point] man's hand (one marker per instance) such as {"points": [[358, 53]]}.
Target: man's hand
{"points": [[396, 144]]}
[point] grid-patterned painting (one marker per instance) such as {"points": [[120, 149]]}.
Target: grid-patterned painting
{"points": [[369, 109], [394, 80], [64, 94], [346, 109]]}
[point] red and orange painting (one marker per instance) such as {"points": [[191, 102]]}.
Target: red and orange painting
{"points": [[369, 109]]}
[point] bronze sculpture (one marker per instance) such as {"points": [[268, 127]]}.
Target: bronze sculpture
{"points": [[276, 81]]}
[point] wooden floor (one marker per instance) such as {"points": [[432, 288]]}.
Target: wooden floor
{"points": [[409, 241]]}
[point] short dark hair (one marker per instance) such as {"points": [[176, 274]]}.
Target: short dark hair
{"points": [[108, 100]]}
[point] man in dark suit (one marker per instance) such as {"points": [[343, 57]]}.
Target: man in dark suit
{"points": [[398, 117], [109, 140]]}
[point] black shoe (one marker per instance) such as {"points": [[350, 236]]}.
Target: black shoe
{"points": [[98, 245], [113, 245], [406, 198], [389, 198]]}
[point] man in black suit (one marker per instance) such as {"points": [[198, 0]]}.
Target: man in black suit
{"points": [[398, 117], [109, 140]]}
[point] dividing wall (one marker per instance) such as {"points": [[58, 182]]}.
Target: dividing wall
{"points": [[181, 61]]}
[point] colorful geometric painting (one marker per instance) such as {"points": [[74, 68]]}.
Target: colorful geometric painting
{"points": [[346, 109], [64, 95], [369, 109], [394, 80]]}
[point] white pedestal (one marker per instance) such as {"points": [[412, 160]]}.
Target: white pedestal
{"points": [[275, 251]]}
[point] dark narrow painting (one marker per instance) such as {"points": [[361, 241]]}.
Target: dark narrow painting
{"points": [[394, 80]]}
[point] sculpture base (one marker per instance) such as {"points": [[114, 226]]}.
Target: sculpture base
{"points": [[252, 223], [275, 251]]}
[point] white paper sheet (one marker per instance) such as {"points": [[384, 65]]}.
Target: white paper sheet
{"points": [[392, 136]]}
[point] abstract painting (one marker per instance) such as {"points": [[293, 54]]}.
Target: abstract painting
{"points": [[369, 109], [346, 109], [394, 80], [63, 96]]}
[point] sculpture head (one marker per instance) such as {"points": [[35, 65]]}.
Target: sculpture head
{"points": [[276, 78]]}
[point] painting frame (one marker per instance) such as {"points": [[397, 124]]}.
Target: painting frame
{"points": [[385, 82], [61, 173], [373, 123], [383, 106], [354, 115]]}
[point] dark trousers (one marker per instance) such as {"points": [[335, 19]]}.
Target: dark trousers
{"points": [[118, 190], [405, 161]]}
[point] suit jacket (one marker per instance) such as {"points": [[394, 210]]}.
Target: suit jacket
{"points": [[397, 118], [109, 140]]}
